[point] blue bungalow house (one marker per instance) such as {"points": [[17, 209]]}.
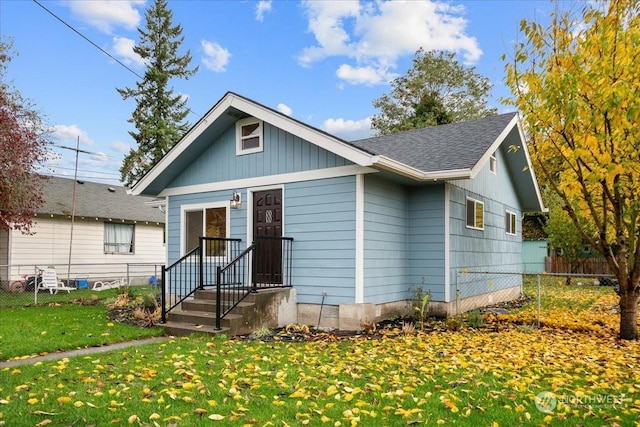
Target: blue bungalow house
{"points": [[350, 229]]}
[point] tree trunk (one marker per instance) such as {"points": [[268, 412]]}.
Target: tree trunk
{"points": [[629, 314]]}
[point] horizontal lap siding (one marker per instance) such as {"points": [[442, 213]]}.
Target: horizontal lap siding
{"points": [[385, 240], [283, 153], [320, 216], [491, 249], [50, 245], [426, 249]]}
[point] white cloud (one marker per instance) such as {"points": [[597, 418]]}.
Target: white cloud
{"points": [[363, 75], [262, 7], [215, 56], [106, 15], [120, 147], [349, 130], [285, 109], [375, 35], [70, 134], [123, 47]]}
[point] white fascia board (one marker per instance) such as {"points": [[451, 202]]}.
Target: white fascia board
{"points": [[447, 175], [525, 147], [320, 139], [398, 168], [418, 175], [182, 145], [494, 146], [270, 180]]}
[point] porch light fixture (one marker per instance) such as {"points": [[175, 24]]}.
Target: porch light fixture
{"points": [[236, 201]]}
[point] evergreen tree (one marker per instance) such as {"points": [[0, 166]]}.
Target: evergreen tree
{"points": [[436, 90], [159, 116]]}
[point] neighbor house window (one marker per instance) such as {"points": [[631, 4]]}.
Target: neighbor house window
{"points": [[206, 222], [493, 164], [248, 136], [475, 214], [510, 223], [118, 238]]}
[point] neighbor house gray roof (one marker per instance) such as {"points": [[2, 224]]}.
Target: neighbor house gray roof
{"points": [[440, 148], [94, 200]]}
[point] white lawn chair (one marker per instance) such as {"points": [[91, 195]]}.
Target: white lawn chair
{"points": [[49, 281], [113, 284]]}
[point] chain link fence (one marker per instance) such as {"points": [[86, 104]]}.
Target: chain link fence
{"points": [[19, 285], [587, 302]]}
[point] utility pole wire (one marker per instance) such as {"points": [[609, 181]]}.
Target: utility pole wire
{"points": [[96, 46], [86, 38]]}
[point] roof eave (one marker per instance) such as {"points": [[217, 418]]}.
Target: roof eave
{"points": [[231, 100], [399, 168]]}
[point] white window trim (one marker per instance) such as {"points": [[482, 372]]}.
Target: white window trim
{"points": [[104, 242], [475, 201], [515, 231], [493, 164], [194, 207], [239, 125]]}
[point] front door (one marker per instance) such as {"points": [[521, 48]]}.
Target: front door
{"points": [[267, 228]]}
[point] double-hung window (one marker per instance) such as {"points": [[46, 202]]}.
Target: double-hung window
{"points": [[206, 221], [118, 238], [475, 214]]}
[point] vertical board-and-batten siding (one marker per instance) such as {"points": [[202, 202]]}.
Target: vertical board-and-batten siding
{"points": [[49, 245], [320, 216], [491, 249], [385, 240], [282, 153]]}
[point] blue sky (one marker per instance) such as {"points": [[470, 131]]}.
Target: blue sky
{"points": [[321, 62]]}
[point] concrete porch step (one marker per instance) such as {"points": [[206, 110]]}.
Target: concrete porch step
{"points": [[182, 329], [200, 317], [266, 308], [209, 306]]}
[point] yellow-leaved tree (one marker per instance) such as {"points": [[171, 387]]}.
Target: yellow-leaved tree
{"points": [[576, 82]]}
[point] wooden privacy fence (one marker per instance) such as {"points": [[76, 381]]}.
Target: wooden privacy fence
{"points": [[591, 266]]}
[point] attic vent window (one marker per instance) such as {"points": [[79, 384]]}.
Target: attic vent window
{"points": [[493, 164], [248, 136]]}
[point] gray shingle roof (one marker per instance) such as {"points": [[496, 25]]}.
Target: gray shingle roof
{"points": [[97, 201], [440, 148]]}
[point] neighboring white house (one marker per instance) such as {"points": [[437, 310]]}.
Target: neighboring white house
{"points": [[113, 233]]}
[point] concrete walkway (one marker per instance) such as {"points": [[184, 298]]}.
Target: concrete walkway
{"points": [[81, 352]]}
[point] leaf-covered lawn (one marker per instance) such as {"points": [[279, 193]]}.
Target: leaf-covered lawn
{"points": [[64, 325], [481, 377]]}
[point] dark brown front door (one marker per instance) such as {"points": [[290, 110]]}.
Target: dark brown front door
{"points": [[267, 225]]}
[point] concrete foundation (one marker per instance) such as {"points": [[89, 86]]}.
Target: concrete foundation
{"points": [[351, 317]]}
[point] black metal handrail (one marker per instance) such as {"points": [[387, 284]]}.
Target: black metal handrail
{"points": [[195, 270], [232, 285], [233, 278], [219, 262]]}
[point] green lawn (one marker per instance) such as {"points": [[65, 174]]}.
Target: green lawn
{"points": [[489, 376], [66, 322]]}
